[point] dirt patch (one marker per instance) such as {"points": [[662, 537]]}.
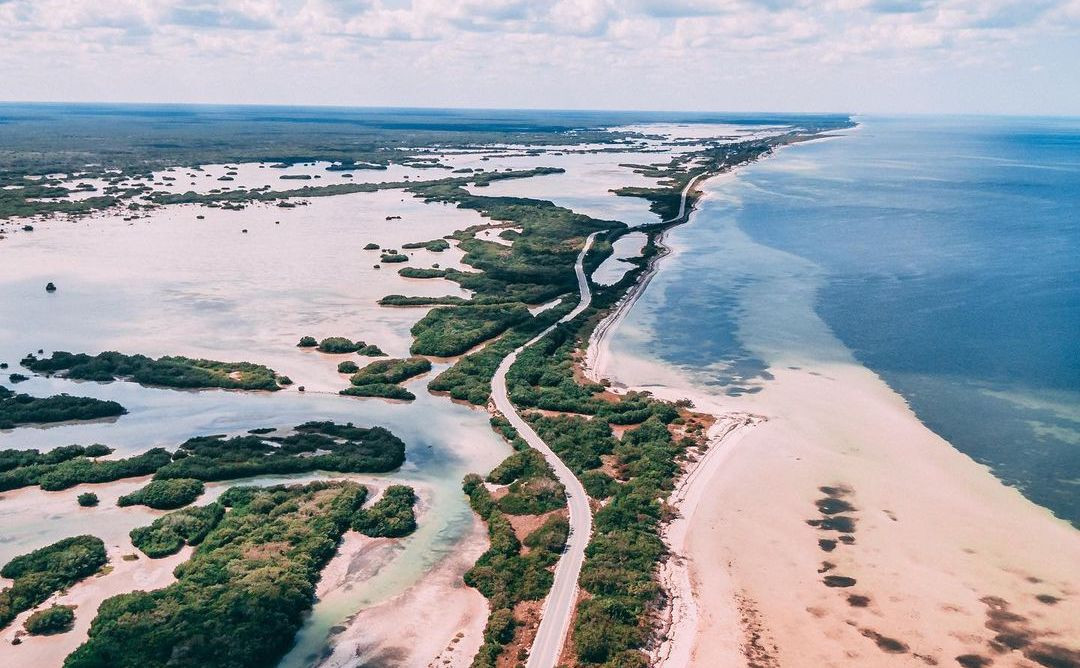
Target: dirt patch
{"points": [[526, 524]]}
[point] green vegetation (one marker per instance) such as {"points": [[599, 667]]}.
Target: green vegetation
{"points": [[371, 246], [391, 371], [54, 619], [506, 575], [419, 272], [16, 409], [43, 572], [436, 245], [314, 446], [339, 345], [347, 366], [166, 371], [450, 331], [87, 499], [241, 597], [171, 532], [381, 378], [392, 516], [165, 494], [307, 342], [390, 258], [343, 448], [402, 300], [543, 378], [379, 390], [72, 465], [533, 489], [626, 546]]}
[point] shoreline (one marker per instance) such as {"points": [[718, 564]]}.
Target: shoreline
{"points": [[743, 581]]}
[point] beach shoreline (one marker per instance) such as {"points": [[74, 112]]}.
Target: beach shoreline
{"points": [[761, 578]]}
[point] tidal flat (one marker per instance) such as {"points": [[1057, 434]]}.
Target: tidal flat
{"points": [[245, 285]]}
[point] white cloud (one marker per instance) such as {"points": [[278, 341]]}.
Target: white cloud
{"points": [[554, 53]]}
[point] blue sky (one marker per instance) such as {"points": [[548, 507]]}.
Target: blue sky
{"points": [[988, 56]]}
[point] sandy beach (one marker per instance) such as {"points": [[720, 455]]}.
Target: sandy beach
{"points": [[437, 622], [827, 526], [119, 576]]}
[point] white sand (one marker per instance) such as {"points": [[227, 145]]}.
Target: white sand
{"points": [[959, 535], [421, 626], [125, 576], [936, 533]]}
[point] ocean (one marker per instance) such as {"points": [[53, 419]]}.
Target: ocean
{"points": [[941, 252]]}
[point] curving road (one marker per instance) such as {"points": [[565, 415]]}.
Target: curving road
{"points": [[559, 605]]}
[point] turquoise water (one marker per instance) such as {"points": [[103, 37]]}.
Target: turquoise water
{"points": [[943, 252]]}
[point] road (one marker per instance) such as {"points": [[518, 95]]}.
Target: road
{"points": [[559, 605]]}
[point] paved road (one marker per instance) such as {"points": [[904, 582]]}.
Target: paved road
{"points": [[559, 605]]}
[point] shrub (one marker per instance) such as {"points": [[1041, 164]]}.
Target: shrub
{"points": [[54, 619], [307, 342], [347, 367], [392, 516], [171, 532], [452, 330], [165, 494], [24, 409], [174, 371], [41, 573], [241, 597], [87, 499]]}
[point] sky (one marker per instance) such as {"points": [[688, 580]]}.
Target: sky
{"points": [[861, 56]]}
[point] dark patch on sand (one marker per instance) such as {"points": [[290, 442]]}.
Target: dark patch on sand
{"points": [[1013, 632], [759, 650], [858, 601], [832, 505], [1048, 599], [838, 581], [826, 566], [885, 643], [827, 545], [841, 523], [973, 661]]}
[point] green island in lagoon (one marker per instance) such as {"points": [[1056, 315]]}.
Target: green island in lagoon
{"points": [[321, 386]]}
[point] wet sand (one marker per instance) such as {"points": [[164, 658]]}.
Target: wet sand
{"points": [[912, 554], [118, 577], [438, 621]]}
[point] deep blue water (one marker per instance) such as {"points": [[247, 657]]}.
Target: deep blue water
{"points": [[949, 251]]}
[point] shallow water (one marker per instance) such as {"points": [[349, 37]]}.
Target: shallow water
{"points": [[170, 283], [941, 253]]}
